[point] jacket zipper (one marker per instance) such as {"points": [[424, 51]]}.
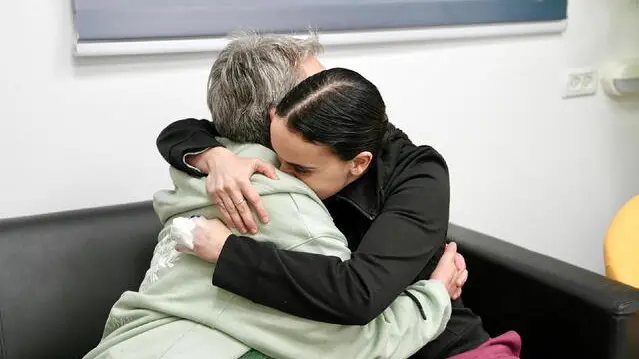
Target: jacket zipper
{"points": [[360, 209]]}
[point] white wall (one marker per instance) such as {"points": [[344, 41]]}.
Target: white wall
{"points": [[527, 166]]}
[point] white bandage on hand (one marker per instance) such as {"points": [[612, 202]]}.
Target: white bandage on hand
{"points": [[181, 231]]}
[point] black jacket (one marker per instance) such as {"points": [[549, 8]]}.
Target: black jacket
{"points": [[395, 218]]}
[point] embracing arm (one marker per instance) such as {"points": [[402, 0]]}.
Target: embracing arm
{"points": [[406, 235], [399, 332], [194, 141], [184, 137], [413, 319]]}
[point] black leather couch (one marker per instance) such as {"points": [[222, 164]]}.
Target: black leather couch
{"points": [[60, 273]]}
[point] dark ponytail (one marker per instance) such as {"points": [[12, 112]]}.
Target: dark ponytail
{"points": [[338, 108]]}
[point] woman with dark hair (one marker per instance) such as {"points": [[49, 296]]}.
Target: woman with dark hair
{"points": [[389, 197], [328, 129]]}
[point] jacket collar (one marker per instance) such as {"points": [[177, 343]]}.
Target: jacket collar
{"points": [[366, 193]]}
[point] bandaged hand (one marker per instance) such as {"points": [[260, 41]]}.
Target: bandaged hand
{"points": [[202, 237]]}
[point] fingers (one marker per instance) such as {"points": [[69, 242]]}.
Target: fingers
{"points": [[234, 195], [446, 272], [456, 294], [461, 279], [451, 270], [216, 196], [449, 252], [242, 207], [456, 284], [253, 198], [229, 205], [265, 168], [226, 217], [460, 263]]}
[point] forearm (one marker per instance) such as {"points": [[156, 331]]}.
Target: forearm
{"points": [[184, 137], [312, 286], [398, 332], [317, 287], [406, 326]]}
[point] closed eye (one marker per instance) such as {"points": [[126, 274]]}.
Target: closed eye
{"points": [[301, 169], [294, 167]]}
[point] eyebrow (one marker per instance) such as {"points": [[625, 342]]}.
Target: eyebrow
{"points": [[299, 165]]}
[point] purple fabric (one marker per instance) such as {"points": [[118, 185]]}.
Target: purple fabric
{"points": [[505, 346]]}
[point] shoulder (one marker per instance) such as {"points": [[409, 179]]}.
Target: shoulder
{"points": [[299, 219], [416, 181], [405, 164], [400, 153], [288, 194], [423, 157], [249, 150], [292, 199]]}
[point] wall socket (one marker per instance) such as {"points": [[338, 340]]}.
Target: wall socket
{"points": [[580, 82]]}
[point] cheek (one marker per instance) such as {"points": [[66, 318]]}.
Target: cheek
{"points": [[326, 184], [316, 182]]}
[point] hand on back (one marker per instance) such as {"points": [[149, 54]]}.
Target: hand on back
{"points": [[451, 271], [229, 185]]}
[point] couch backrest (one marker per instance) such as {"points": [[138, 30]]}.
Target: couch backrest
{"points": [[61, 273]]}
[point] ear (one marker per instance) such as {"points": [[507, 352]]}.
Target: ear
{"points": [[360, 163], [271, 114]]}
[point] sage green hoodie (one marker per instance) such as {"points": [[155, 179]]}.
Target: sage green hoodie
{"points": [[177, 313]]}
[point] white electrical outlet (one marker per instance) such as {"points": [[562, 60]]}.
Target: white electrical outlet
{"points": [[580, 82]]}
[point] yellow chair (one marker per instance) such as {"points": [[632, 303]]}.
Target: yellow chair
{"points": [[621, 246]]}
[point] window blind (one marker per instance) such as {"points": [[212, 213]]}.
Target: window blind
{"points": [[121, 20]]}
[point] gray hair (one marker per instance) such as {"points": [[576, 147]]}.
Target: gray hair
{"points": [[250, 76]]}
